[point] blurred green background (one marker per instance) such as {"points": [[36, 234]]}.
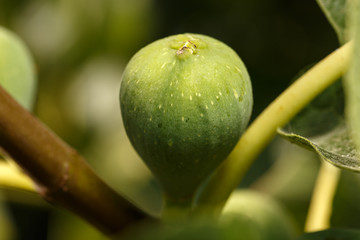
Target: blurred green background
{"points": [[80, 50]]}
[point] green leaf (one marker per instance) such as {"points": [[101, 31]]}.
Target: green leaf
{"points": [[352, 80], [321, 128], [332, 234], [335, 147], [335, 11]]}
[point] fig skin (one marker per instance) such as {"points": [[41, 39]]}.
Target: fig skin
{"points": [[185, 101], [17, 73]]}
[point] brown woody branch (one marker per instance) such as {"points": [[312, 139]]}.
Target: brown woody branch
{"points": [[61, 174]]}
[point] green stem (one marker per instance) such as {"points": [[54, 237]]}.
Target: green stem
{"points": [[176, 210], [263, 129], [321, 203]]}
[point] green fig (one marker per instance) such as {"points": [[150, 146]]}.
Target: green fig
{"points": [[17, 74], [271, 220], [185, 101]]}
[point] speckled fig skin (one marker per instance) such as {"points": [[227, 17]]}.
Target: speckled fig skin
{"points": [[185, 101]]}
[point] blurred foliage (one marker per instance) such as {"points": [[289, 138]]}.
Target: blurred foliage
{"points": [[81, 48], [333, 234], [248, 215], [200, 230], [291, 178], [6, 224]]}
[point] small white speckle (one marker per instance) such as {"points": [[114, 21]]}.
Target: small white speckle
{"points": [[199, 94], [137, 81], [160, 106], [206, 106], [182, 119], [201, 115], [162, 66], [173, 63], [150, 119], [212, 103], [228, 67], [235, 93], [171, 95], [171, 83], [220, 93], [182, 94], [217, 97], [202, 57], [238, 69], [171, 104], [190, 97]]}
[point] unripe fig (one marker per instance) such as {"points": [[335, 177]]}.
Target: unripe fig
{"points": [[16, 69], [185, 100], [265, 213]]}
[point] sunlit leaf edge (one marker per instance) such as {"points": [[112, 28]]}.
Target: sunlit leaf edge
{"points": [[341, 161], [336, 18]]}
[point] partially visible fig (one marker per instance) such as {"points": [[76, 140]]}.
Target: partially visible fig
{"points": [[265, 213], [17, 69]]}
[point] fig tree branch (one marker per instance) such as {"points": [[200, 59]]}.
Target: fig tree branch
{"points": [[61, 175]]}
